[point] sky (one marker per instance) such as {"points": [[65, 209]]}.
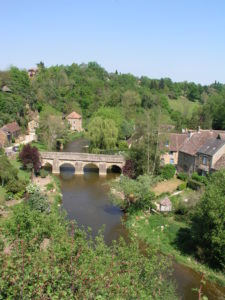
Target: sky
{"points": [[180, 39]]}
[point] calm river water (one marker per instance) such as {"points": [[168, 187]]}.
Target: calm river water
{"points": [[85, 198]]}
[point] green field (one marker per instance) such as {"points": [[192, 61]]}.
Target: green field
{"points": [[184, 106]]}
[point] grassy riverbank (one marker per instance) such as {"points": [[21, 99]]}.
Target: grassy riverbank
{"points": [[161, 231]]}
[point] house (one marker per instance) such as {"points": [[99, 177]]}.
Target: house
{"points": [[165, 205], [189, 157], [209, 154], [171, 146], [12, 130], [75, 121], [32, 72]]}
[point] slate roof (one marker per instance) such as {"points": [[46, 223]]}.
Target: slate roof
{"points": [[211, 146], [74, 115], [220, 164], [11, 127], [197, 139], [165, 202]]}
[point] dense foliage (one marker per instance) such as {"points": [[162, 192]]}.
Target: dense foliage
{"points": [[167, 172], [208, 222], [137, 194], [48, 263], [9, 177], [88, 89]]}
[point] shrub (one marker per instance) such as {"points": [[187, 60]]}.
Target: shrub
{"points": [[38, 201], [122, 145], [182, 176], [194, 185], [182, 186], [43, 173], [15, 185], [199, 178], [168, 172], [32, 188], [50, 186]]}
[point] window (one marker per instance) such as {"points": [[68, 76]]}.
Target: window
{"points": [[167, 144], [204, 160], [171, 153], [172, 161]]}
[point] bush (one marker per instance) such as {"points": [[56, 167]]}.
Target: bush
{"points": [[167, 172], [15, 185], [122, 145], [199, 178], [194, 185], [38, 201], [182, 186], [43, 173], [50, 186], [32, 188], [182, 176]]}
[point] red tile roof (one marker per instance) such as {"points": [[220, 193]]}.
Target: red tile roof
{"points": [[165, 202], [74, 115], [11, 127]]}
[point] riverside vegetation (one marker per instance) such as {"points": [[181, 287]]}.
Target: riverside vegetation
{"points": [[44, 256], [193, 233]]}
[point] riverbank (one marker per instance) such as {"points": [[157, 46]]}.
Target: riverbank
{"points": [[161, 232]]}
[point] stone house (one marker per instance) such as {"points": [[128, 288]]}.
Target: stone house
{"points": [[192, 152], [12, 130], [171, 146], [209, 155], [75, 121]]}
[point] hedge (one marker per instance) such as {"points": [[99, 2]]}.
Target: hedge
{"points": [[194, 185]]}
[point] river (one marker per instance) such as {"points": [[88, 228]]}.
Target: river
{"points": [[86, 200]]}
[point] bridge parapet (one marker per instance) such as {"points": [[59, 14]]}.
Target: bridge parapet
{"points": [[79, 160]]}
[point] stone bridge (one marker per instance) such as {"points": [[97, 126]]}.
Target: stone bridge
{"points": [[80, 160]]}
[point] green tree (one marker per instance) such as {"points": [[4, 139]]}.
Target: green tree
{"points": [[208, 222], [51, 129], [102, 133]]}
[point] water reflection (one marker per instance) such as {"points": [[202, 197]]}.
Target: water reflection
{"points": [[85, 198]]}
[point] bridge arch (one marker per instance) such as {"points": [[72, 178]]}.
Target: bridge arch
{"points": [[67, 166], [114, 168], [91, 168]]}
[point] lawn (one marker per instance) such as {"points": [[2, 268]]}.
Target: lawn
{"points": [[22, 174], [184, 106], [167, 186]]}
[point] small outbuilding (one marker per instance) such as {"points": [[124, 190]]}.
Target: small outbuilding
{"points": [[165, 205], [75, 121]]}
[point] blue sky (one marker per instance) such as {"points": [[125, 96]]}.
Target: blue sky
{"points": [[180, 39]]}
